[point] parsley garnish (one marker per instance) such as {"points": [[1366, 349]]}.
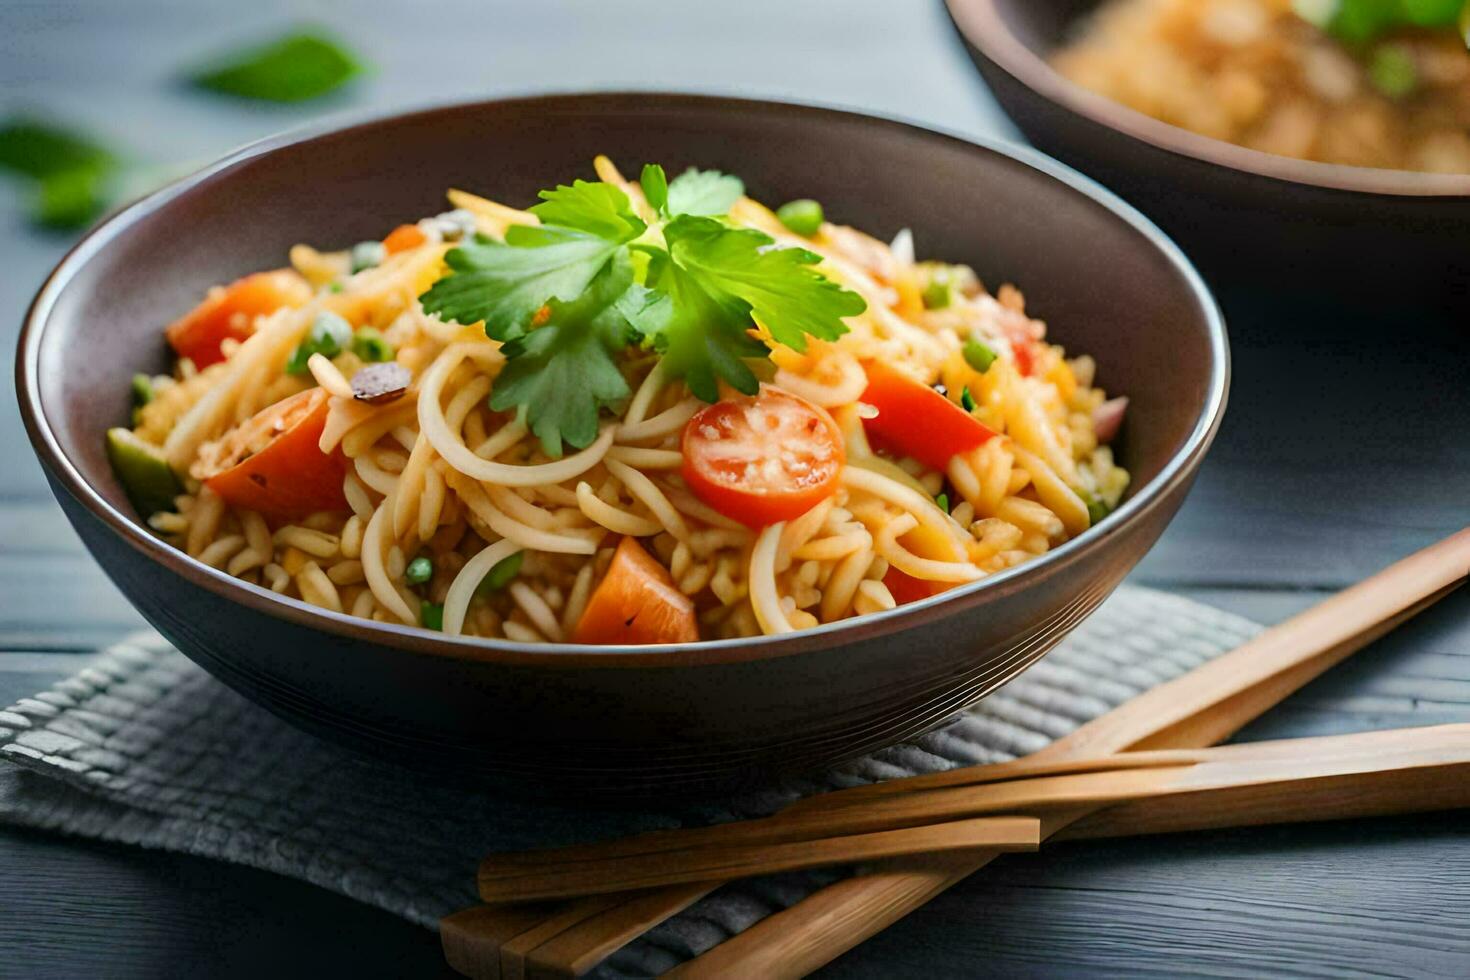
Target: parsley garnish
{"points": [[294, 68], [561, 374], [568, 295], [1361, 21]]}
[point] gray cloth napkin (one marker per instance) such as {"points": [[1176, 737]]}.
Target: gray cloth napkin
{"points": [[144, 747]]}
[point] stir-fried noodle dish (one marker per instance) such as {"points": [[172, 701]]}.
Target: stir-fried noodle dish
{"points": [[647, 411]]}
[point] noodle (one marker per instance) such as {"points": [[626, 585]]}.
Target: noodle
{"points": [[434, 483]]}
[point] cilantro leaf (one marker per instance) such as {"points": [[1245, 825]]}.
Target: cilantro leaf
{"points": [[655, 185], [699, 337], [294, 68], [505, 283], [703, 192], [778, 284], [561, 375], [595, 208]]}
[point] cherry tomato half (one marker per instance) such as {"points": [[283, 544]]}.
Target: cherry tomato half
{"points": [[762, 459], [272, 462], [229, 312], [915, 420], [636, 602]]}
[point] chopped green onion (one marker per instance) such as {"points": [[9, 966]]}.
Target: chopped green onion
{"points": [[803, 216], [329, 336], [500, 574], [369, 345], [432, 613], [1392, 70], [1097, 509], [978, 355], [334, 287], [419, 571], [142, 389], [938, 294], [943, 501], [366, 255], [967, 400]]}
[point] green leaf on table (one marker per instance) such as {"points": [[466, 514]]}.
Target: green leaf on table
{"points": [[300, 66], [36, 149], [71, 199]]}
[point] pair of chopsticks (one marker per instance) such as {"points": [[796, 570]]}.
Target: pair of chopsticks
{"points": [[1199, 709], [1379, 772]]}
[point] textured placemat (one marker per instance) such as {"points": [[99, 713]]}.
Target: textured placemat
{"points": [[144, 747]]}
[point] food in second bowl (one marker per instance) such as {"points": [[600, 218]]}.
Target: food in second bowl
{"points": [[1369, 83], [638, 412]]}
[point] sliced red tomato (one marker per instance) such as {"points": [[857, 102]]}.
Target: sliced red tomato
{"points": [[637, 603], [1025, 354], [905, 588], [403, 238], [762, 459], [915, 420], [229, 312], [272, 462]]}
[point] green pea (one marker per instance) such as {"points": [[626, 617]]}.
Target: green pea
{"points": [[432, 613], [419, 571], [366, 255], [803, 216], [329, 335], [1392, 70], [978, 355], [500, 574], [369, 345]]}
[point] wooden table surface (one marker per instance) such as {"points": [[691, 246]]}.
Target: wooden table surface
{"points": [[1346, 446]]}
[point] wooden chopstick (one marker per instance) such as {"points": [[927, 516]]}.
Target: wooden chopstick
{"points": [[1204, 706], [802, 938], [576, 879], [937, 820]]}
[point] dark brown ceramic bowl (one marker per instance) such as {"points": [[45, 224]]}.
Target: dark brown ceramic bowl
{"points": [[1247, 218], [690, 716]]}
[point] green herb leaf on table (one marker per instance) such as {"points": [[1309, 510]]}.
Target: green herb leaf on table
{"points": [[559, 376], [294, 68], [71, 199], [73, 174], [36, 149]]}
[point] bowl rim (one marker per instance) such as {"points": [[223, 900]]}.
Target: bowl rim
{"points": [[979, 23], [412, 639]]}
